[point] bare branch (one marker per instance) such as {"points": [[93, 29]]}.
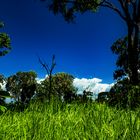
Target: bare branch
{"points": [[49, 72]]}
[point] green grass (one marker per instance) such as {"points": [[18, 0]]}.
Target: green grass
{"points": [[56, 121]]}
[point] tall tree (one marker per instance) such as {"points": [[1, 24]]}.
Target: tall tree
{"points": [[128, 10]]}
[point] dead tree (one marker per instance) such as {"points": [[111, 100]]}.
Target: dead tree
{"points": [[49, 70]]}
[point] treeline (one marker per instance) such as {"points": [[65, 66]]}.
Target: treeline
{"points": [[24, 87], [122, 95]]}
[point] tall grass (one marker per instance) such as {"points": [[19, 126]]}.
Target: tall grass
{"points": [[57, 121]]}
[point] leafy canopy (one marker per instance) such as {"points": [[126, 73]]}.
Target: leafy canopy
{"points": [[22, 85], [62, 86], [5, 42]]}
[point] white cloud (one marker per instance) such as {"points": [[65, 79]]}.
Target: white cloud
{"points": [[3, 86], [39, 80], [94, 85]]}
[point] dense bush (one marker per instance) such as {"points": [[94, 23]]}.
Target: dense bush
{"points": [[134, 96], [125, 95], [122, 95]]}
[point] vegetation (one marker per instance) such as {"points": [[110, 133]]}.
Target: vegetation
{"points": [[52, 109], [5, 47], [49, 70], [70, 121], [62, 87], [5, 43], [22, 86]]}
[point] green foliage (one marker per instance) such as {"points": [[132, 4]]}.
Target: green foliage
{"points": [[102, 97], [134, 96], [118, 94], [124, 95], [69, 8], [5, 43], [4, 94], [85, 97], [62, 86], [22, 85], [2, 109], [120, 48], [5, 47]]}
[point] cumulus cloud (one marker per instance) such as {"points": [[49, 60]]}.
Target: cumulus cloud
{"points": [[94, 85]]}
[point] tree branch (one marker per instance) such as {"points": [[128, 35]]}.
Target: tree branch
{"points": [[113, 7], [124, 5]]}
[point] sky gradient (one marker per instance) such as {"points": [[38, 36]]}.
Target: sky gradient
{"points": [[81, 49]]}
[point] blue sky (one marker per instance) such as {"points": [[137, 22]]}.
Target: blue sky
{"points": [[82, 49]]}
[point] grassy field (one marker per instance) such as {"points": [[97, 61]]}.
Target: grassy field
{"points": [[56, 121]]}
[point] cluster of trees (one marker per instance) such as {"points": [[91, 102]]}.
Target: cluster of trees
{"points": [[121, 95], [5, 47], [24, 87], [125, 92]]}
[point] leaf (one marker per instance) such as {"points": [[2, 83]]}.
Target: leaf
{"points": [[3, 108]]}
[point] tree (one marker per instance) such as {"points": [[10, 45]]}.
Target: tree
{"points": [[120, 49], [49, 70], [22, 86], [128, 10], [62, 87], [5, 45], [123, 94], [102, 97]]}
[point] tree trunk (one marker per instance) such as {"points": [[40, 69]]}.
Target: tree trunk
{"points": [[133, 53], [50, 86]]}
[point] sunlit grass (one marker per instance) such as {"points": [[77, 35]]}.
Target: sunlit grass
{"points": [[58, 121]]}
